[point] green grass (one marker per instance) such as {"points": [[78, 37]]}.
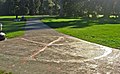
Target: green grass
{"points": [[101, 31], [4, 72], [12, 28]]}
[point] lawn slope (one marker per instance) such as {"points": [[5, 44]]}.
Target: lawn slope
{"points": [[101, 31]]}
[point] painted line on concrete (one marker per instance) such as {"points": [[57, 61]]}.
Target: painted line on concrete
{"points": [[107, 51], [32, 41], [41, 50]]}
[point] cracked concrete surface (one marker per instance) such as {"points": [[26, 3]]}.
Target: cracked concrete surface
{"points": [[68, 55]]}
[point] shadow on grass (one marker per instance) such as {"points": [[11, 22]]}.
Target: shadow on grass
{"points": [[7, 19], [9, 25], [81, 23], [14, 27]]}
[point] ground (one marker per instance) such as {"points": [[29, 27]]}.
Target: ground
{"points": [[43, 50]]}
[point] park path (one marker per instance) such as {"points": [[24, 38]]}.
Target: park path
{"points": [[43, 50]]}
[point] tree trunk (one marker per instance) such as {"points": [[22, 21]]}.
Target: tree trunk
{"points": [[61, 8], [16, 16]]}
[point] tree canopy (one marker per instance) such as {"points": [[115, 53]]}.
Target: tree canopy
{"points": [[74, 8]]}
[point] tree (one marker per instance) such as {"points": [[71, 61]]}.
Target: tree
{"points": [[8, 7], [61, 7], [23, 5], [34, 6], [76, 8], [37, 4]]}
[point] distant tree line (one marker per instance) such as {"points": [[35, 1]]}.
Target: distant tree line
{"points": [[91, 7], [75, 8], [29, 7]]}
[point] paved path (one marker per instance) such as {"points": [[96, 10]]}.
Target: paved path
{"points": [[42, 50]]}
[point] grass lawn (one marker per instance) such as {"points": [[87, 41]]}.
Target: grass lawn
{"points": [[101, 31], [4, 72], [12, 28]]}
